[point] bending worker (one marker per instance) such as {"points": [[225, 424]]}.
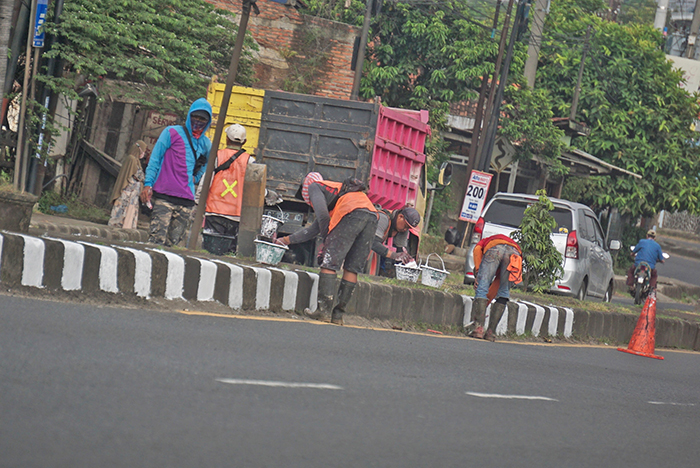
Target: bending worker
{"points": [[223, 211], [497, 263], [346, 220], [394, 227]]}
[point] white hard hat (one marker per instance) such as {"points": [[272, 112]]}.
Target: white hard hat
{"points": [[236, 132]]}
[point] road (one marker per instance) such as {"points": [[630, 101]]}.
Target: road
{"points": [[685, 269], [98, 386]]}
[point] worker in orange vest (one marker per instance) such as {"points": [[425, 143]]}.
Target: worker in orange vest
{"points": [[223, 210], [497, 264], [346, 219]]}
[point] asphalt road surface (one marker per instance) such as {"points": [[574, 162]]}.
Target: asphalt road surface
{"points": [[685, 269], [97, 386]]}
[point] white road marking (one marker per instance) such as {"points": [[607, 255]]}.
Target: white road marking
{"points": [[522, 319], [510, 397], [569, 323], [262, 293], [670, 403], [33, 270], [271, 383]]}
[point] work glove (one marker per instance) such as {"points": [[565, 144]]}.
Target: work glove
{"points": [[272, 198]]}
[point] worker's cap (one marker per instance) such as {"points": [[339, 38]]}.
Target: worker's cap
{"points": [[310, 178], [412, 218], [200, 114], [236, 133], [651, 233]]}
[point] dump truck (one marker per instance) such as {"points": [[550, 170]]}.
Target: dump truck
{"points": [[294, 134]]}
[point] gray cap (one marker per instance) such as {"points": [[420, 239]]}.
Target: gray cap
{"points": [[411, 216], [651, 233]]}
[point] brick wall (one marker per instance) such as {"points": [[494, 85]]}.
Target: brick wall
{"points": [[283, 36]]}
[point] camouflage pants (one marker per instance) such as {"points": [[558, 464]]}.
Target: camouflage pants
{"points": [[168, 222]]}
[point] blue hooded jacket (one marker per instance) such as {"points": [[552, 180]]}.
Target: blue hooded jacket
{"points": [[172, 162]]}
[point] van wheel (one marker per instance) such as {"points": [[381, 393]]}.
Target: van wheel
{"points": [[609, 293], [583, 291]]}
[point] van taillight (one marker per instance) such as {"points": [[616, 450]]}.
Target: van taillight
{"points": [[478, 230], [571, 245]]}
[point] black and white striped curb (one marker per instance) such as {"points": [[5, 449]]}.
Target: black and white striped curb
{"points": [[58, 264]]}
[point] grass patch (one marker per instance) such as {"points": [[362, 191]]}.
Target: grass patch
{"points": [[75, 208]]}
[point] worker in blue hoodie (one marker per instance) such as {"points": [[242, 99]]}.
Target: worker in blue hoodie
{"points": [[178, 161]]}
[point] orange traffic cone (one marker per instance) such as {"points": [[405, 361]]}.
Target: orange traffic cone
{"points": [[643, 339]]}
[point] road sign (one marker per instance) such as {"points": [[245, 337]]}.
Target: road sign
{"points": [[39, 34], [475, 197]]}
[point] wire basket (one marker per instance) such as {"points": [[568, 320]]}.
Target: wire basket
{"points": [[270, 224], [432, 276], [269, 253], [407, 273]]}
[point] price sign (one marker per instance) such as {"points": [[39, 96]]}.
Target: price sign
{"points": [[475, 197]]}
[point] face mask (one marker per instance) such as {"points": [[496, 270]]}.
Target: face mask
{"points": [[198, 125]]}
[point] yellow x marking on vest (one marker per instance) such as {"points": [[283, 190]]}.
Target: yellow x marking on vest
{"points": [[229, 188]]}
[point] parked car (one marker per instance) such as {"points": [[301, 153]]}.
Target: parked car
{"points": [[587, 263]]}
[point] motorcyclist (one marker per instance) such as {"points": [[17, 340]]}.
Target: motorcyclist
{"points": [[648, 251]]}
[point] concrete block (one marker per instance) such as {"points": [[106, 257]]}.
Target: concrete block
{"points": [[223, 283], [53, 263], [191, 278], [581, 322], [304, 287], [361, 299], [250, 287], [436, 314], [12, 261], [380, 302], [126, 271], [690, 335], [159, 273], [401, 298], [621, 327], [668, 332], [596, 324], [91, 269], [512, 319], [277, 281]]}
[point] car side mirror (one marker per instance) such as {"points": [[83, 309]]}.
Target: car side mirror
{"points": [[615, 245], [445, 175]]}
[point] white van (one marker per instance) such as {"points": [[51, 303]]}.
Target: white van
{"points": [[587, 264]]}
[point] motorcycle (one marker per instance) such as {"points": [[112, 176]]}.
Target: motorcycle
{"points": [[642, 280]]}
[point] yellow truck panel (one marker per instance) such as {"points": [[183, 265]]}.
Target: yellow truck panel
{"points": [[245, 108]]}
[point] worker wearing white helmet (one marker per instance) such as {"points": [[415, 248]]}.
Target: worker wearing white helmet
{"points": [[223, 211]]}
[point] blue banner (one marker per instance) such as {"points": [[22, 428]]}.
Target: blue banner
{"points": [[39, 34]]}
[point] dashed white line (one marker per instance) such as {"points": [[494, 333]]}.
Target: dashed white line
{"points": [[670, 403], [271, 383], [510, 397]]}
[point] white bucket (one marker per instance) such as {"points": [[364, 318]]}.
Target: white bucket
{"points": [[269, 253], [270, 224], [407, 273], [432, 276]]}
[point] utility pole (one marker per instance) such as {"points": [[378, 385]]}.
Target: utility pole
{"points": [[20, 177], [485, 159], [220, 122], [693, 36], [577, 90], [359, 62], [533, 48]]}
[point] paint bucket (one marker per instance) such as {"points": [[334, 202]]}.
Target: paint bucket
{"points": [[432, 276], [407, 273], [217, 244], [270, 224], [269, 253]]}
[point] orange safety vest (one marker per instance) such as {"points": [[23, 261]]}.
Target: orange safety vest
{"points": [[226, 191], [351, 201]]}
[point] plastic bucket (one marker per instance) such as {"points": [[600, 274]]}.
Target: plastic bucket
{"points": [[269, 253], [432, 276], [217, 244], [406, 273], [270, 224]]}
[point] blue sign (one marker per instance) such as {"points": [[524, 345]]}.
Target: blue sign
{"points": [[39, 34]]}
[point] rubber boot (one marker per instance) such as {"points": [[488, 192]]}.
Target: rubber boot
{"points": [[478, 316], [326, 291], [497, 310], [344, 296]]}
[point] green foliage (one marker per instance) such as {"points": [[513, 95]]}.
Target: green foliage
{"points": [[541, 260], [170, 48], [76, 208], [637, 11], [335, 10], [640, 119]]}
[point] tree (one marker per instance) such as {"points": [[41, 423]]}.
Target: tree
{"points": [[542, 262], [6, 7], [171, 48], [640, 118]]}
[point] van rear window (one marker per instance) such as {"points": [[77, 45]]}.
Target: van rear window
{"points": [[510, 213]]}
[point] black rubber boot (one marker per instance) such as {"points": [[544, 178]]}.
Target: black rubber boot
{"points": [[326, 291], [344, 296], [497, 310], [478, 317]]}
